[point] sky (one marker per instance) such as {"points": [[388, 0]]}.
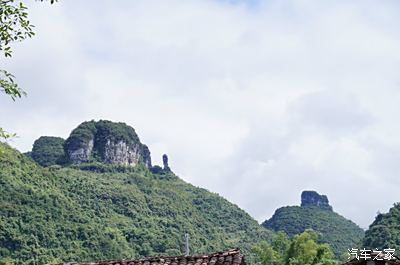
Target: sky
{"points": [[254, 100]]}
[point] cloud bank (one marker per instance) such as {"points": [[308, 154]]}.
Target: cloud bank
{"points": [[255, 100]]}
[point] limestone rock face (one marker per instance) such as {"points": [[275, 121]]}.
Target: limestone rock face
{"points": [[81, 154], [106, 142], [121, 153], [312, 198]]}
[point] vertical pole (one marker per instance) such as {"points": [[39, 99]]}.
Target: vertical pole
{"points": [[187, 245]]}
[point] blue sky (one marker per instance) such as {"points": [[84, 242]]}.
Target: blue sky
{"points": [[256, 101]]}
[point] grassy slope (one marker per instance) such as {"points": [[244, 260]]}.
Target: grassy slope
{"points": [[64, 214]]}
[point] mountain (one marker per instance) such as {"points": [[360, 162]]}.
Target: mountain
{"points": [[384, 232], [102, 141], [316, 213], [101, 199]]}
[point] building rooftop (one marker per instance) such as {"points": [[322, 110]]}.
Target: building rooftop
{"points": [[228, 257]]}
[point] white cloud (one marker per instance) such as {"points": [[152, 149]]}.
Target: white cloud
{"points": [[257, 101]]}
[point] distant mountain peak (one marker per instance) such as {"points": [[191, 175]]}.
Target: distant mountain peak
{"points": [[313, 198]]}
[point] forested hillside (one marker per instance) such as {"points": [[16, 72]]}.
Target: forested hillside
{"points": [[65, 213], [315, 213], [384, 232]]}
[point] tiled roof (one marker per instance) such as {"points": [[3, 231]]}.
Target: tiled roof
{"points": [[395, 260], [229, 257]]}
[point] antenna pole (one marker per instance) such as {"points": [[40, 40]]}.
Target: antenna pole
{"points": [[186, 244]]}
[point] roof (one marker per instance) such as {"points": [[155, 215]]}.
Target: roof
{"points": [[228, 257], [374, 256]]}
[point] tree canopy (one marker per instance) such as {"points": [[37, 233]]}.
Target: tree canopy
{"points": [[384, 232], [48, 151], [302, 249], [60, 214]]}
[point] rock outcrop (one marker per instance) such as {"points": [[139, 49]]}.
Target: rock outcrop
{"points": [[80, 154], [106, 142], [165, 162], [312, 198]]}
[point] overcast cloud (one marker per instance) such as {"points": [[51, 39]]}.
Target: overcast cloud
{"points": [[254, 100]]}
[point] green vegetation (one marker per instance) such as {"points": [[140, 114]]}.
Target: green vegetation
{"points": [[59, 214], [336, 230], [81, 135], [48, 151], [14, 27], [302, 249], [384, 232]]}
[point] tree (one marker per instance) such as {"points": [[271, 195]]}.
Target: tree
{"points": [[14, 27], [302, 249], [274, 253]]}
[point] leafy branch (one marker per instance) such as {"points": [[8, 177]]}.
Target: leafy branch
{"points": [[8, 86], [6, 135], [14, 27]]}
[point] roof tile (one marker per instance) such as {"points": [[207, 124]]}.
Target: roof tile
{"points": [[229, 257]]}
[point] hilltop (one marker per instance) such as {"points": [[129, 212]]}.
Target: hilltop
{"points": [[316, 213]]}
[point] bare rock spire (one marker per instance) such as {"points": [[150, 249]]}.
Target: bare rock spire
{"points": [[165, 162]]}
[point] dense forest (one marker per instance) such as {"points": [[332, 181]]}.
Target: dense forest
{"points": [[384, 232], [301, 249], [59, 214]]}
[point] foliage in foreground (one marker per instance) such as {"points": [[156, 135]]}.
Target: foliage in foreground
{"points": [[302, 249], [14, 27], [57, 214]]}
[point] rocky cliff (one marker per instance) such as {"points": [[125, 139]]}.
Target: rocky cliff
{"points": [[312, 198], [106, 142]]}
